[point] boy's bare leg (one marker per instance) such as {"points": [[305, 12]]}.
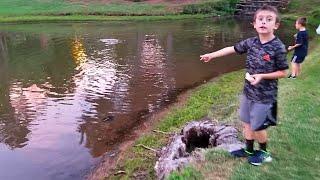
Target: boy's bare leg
{"points": [[298, 69], [294, 69], [261, 136], [247, 131], [249, 141]]}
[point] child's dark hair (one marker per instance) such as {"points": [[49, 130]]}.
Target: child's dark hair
{"points": [[302, 21], [268, 8]]}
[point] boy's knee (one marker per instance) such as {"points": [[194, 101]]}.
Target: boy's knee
{"points": [[246, 125]]}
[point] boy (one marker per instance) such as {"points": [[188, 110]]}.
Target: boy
{"points": [[266, 62], [300, 48]]}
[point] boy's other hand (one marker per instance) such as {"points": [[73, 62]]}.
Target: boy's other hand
{"points": [[205, 58], [249, 77], [257, 79]]}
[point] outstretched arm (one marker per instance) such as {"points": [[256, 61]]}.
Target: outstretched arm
{"points": [[216, 54]]}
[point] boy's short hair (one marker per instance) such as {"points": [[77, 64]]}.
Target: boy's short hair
{"points": [[268, 8], [302, 21]]}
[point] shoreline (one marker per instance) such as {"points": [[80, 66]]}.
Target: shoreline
{"points": [[224, 96]]}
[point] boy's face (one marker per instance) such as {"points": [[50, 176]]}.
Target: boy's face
{"points": [[298, 25], [265, 22]]}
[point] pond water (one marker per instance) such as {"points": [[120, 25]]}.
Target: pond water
{"points": [[71, 92]]}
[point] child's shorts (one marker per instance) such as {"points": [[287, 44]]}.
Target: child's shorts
{"points": [[259, 116], [297, 59]]}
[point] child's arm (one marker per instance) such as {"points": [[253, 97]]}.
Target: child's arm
{"points": [[216, 54], [292, 47], [273, 75], [299, 42]]}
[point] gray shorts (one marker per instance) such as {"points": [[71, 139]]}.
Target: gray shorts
{"points": [[259, 116]]}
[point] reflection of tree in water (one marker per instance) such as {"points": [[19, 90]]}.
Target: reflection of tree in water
{"points": [[123, 105], [24, 106], [32, 66], [13, 132], [221, 34]]}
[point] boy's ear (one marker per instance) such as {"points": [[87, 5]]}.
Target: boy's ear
{"points": [[276, 26]]}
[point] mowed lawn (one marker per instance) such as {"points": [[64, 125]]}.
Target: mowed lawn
{"points": [[63, 7]]}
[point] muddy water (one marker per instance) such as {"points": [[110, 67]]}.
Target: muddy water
{"points": [[71, 92]]}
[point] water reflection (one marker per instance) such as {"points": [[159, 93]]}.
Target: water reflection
{"points": [[113, 98], [71, 92], [78, 52], [13, 131]]}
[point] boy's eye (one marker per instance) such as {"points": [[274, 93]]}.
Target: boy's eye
{"points": [[269, 19], [260, 19]]}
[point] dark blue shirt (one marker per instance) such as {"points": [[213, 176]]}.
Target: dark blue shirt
{"points": [[302, 38]]}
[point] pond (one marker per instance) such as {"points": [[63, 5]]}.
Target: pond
{"points": [[71, 92]]}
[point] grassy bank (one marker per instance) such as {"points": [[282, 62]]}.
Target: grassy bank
{"points": [[63, 10], [64, 7]]}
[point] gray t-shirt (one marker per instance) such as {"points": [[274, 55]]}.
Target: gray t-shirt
{"points": [[262, 58]]}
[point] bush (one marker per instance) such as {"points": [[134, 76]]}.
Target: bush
{"points": [[316, 14]]}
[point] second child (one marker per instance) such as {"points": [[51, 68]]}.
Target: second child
{"points": [[300, 47]]}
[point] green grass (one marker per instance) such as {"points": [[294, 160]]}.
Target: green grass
{"points": [[189, 173], [63, 7]]}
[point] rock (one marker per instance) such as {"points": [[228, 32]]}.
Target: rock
{"points": [[172, 157], [188, 145]]}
